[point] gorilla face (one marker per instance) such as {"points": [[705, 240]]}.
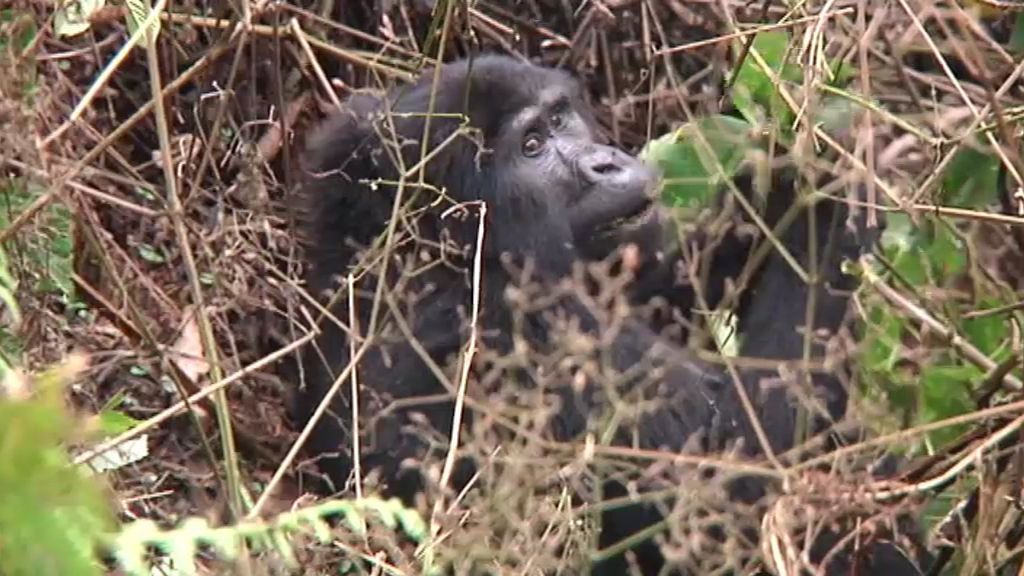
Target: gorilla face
{"points": [[550, 150]]}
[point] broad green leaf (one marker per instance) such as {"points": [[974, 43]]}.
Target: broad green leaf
{"points": [[930, 254], [51, 514], [883, 377], [900, 242], [899, 234], [946, 253], [691, 178], [988, 333], [882, 336], [756, 95], [112, 422], [946, 392]]}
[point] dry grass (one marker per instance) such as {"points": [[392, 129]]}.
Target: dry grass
{"points": [[179, 237]]}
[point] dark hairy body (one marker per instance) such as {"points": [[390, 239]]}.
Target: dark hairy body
{"points": [[556, 198]]}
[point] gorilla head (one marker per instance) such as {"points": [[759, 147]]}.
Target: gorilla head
{"points": [[516, 136]]}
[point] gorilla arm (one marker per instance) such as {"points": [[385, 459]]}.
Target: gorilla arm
{"points": [[393, 368]]}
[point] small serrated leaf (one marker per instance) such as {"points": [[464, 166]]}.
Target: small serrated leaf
{"points": [[137, 12], [151, 254]]}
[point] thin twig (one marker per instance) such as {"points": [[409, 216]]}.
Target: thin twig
{"points": [[181, 406], [467, 358], [962, 345]]}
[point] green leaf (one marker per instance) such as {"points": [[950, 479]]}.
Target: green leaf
{"points": [[51, 514], [151, 254], [989, 333], [946, 392], [49, 245], [883, 376], [753, 92], [113, 422], [22, 30], [930, 254], [691, 177], [138, 11], [971, 179], [946, 253], [882, 339], [1016, 44]]}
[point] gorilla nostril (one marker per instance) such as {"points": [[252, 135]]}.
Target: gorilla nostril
{"points": [[602, 163], [605, 168]]}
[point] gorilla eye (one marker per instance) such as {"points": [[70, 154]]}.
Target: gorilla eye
{"points": [[556, 121], [532, 145]]}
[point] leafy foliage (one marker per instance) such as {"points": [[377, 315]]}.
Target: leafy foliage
{"points": [[130, 547], [699, 156], [49, 248], [754, 91], [50, 512], [937, 383], [691, 177], [696, 157], [972, 178]]}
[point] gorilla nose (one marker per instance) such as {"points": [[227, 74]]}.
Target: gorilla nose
{"points": [[603, 163], [610, 166]]}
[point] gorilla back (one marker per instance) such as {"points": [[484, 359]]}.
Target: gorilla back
{"points": [[393, 203]]}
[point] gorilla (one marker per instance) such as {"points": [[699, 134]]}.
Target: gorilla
{"points": [[400, 190]]}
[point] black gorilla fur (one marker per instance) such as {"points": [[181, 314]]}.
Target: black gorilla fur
{"points": [[555, 198]]}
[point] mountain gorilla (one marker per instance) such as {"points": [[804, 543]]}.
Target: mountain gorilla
{"points": [[519, 139]]}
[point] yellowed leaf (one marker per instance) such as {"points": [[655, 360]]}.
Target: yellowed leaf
{"points": [[187, 352]]}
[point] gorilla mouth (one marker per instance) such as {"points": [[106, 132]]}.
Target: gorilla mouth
{"points": [[635, 218]]}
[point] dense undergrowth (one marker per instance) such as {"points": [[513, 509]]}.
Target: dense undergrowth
{"points": [[153, 261]]}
